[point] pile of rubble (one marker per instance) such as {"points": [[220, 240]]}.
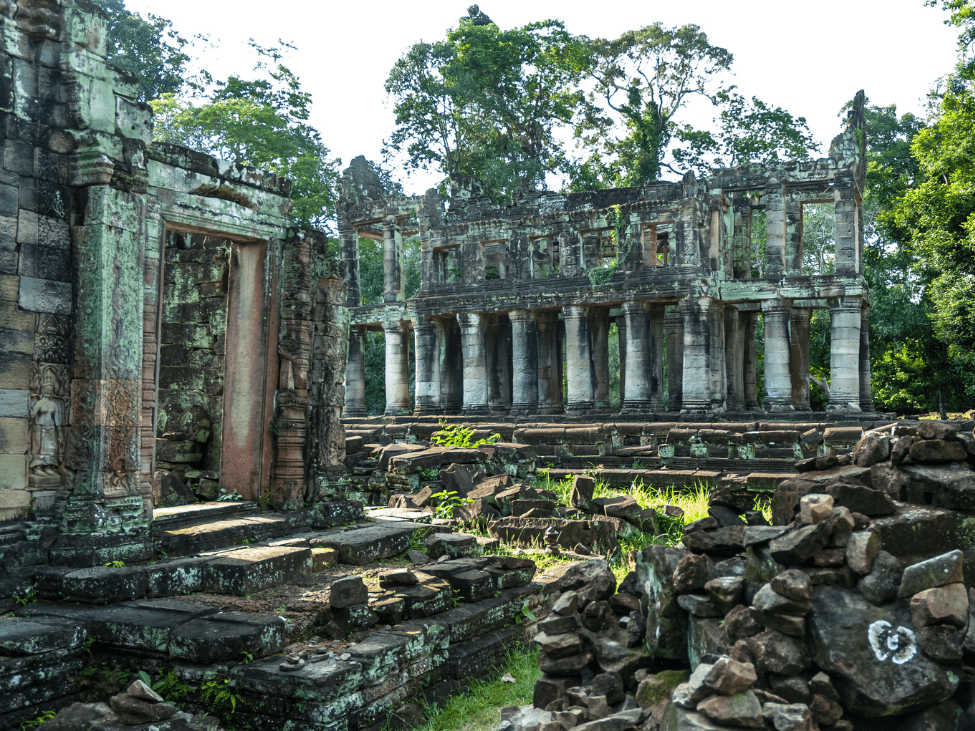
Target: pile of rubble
{"points": [[850, 612], [138, 707]]}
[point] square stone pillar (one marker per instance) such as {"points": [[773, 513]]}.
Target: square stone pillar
{"points": [[778, 374], [793, 236], [749, 322], [599, 328], [716, 357], [638, 393], [578, 360], [621, 331], [349, 251], [549, 363], [355, 375], [674, 334], [866, 391], [524, 363], [696, 397], [498, 360], [426, 334], [397, 369], [799, 356], [472, 328], [849, 232], [657, 342], [844, 354], [734, 358], [775, 231], [392, 250], [451, 367]]}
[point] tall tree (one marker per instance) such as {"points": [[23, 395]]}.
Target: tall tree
{"points": [[150, 49], [261, 122], [487, 102], [645, 78]]}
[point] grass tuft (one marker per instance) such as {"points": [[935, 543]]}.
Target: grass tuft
{"points": [[477, 709]]}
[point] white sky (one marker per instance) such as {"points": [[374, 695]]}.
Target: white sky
{"points": [[809, 58]]}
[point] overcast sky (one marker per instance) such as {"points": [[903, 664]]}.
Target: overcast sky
{"points": [[809, 58]]}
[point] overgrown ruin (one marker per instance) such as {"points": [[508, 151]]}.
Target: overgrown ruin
{"points": [[508, 288], [182, 494]]}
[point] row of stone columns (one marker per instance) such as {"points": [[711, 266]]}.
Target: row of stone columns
{"points": [[469, 365]]}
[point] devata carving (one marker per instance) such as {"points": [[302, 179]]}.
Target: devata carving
{"points": [[47, 425]]}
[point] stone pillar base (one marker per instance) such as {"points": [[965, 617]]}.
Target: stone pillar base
{"points": [[778, 405], [427, 411], [695, 407], [844, 408], [353, 413], [550, 410], [476, 410], [523, 410], [638, 408], [584, 408]]}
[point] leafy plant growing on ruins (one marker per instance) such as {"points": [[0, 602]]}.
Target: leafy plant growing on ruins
{"points": [[35, 722], [460, 436], [115, 565], [447, 502], [226, 497]]}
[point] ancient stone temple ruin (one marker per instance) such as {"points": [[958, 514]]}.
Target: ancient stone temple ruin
{"points": [[513, 294], [162, 328]]}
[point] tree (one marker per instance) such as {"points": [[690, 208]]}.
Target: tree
{"points": [[151, 50], [645, 77], [261, 122], [487, 102]]}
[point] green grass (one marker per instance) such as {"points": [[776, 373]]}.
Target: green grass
{"points": [[477, 709]]}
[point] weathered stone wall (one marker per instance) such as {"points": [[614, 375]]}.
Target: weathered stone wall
{"points": [[137, 280]]}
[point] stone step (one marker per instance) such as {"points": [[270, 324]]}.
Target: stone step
{"points": [[182, 630], [250, 570], [210, 535], [201, 511], [365, 545], [624, 478]]}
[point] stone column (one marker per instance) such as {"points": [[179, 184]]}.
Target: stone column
{"points": [[451, 368], [849, 236], [657, 341], [397, 369], [734, 358], [716, 357], [355, 375], [639, 393], [391, 266], [496, 359], [427, 348], [793, 236], [674, 333], [696, 396], [775, 231], [524, 363], [844, 356], [549, 363], [866, 392], [578, 360], [621, 330], [749, 321], [599, 327], [799, 361], [475, 363], [778, 375], [349, 251]]}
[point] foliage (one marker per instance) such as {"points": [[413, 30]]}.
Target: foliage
{"points": [[477, 709], [645, 77], [115, 564], [447, 502], [226, 497], [150, 49], [487, 102], [460, 436], [261, 122], [42, 716]]}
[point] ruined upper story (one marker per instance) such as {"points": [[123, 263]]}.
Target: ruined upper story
{"points": [[659, 236]]}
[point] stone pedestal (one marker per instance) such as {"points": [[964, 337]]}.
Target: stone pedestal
{"points": [[778, 374]]}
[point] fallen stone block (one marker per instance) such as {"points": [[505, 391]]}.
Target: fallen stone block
{"points": [[366, 545], [227, 636], [250, 570]]}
